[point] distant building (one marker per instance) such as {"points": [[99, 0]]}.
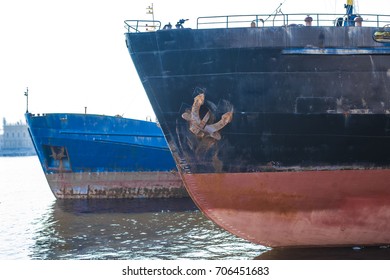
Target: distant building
{"points": [[15, 140]]}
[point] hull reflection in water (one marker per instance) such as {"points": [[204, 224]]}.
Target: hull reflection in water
{"points": [[135, 229], [345, 253]]}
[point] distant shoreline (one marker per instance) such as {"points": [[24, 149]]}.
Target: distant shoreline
{"points": [[17, 153]]}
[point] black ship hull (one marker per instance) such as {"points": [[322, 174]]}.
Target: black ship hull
{"points": [[239, 106], [295, 109]]}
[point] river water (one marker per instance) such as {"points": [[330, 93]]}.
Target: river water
{"points": [[36, 226]]}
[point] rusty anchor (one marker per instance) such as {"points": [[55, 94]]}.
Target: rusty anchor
{"points": [[199, 126], [58, 153]]}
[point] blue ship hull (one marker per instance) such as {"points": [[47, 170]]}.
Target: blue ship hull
{"points": [[95, 156]]}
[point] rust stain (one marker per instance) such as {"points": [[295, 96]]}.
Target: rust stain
{"points": [[117, 185], [201, 139]]}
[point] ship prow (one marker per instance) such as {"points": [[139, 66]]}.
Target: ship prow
{"points": [[86, 156], [279, 125]]}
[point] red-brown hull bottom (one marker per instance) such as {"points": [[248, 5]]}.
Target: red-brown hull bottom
{"points": [[116, 185], [298, 209]]}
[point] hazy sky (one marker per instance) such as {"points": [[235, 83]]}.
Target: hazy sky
{"points": [[72, 54]]}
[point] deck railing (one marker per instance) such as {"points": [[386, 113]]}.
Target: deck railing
{"points": [[288, 20], [140, 25], [263, 20]]}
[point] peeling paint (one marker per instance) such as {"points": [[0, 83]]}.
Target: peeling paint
{"points": [[129, 185]]}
